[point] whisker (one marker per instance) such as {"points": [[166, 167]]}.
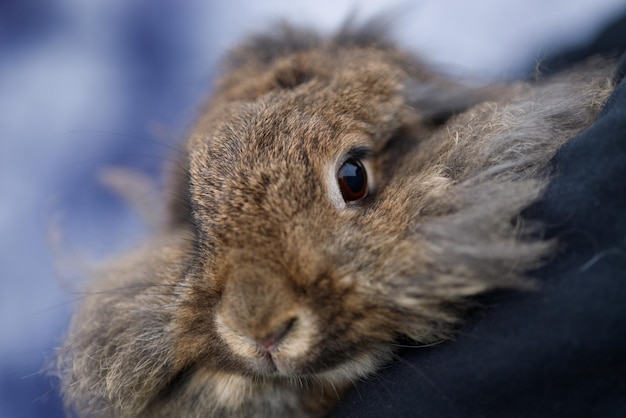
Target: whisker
{"points": [[426, 379], [417, 345], [484, 338], [169, 145]]}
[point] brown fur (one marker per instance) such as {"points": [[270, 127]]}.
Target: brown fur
{"points": [[256, 247]]}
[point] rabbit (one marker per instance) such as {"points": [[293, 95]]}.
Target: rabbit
{"points": [[335, 196]]}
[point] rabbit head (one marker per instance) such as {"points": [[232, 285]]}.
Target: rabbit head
{"points": [[304, 217]]}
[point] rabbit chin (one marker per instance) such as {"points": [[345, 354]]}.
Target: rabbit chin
{"points": [[231, 390]]}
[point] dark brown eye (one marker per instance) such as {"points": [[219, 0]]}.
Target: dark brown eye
{"points": [[352, 179]]}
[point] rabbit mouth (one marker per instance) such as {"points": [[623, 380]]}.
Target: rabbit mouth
{"points": [[265, 365], [276, 353], [275, 366]]}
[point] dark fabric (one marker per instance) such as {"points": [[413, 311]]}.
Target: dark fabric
{"points": [[557, 352]]}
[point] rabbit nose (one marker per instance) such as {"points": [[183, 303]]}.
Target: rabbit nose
{"points": [[271, 341]]}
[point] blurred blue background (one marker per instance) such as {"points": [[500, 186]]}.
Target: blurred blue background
{"points": [[86, 86]]}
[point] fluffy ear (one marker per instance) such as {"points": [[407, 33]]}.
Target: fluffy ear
{"points": [[438, 102], [264, 49], [267, 62], [285, 58], [286, 40]]}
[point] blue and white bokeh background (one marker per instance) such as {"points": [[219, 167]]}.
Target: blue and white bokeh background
{"points": [[87, 85]]}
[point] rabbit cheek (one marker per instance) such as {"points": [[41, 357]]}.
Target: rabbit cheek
{"points": [[360, 366]]}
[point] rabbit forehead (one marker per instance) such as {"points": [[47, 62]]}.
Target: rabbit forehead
{"points": [[278, 146]]}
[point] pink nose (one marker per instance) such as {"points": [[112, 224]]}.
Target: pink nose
{"points": [[271, 342]]}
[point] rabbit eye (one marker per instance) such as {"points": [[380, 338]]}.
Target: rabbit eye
{"points": [[352, 179]]}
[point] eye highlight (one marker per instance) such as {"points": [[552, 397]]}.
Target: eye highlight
{"points": [[352, 179]]}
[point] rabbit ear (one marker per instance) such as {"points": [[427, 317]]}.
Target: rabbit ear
{"points": [[437, 102], [268, 62], [293, 71], [267, 48], [286, 40]]}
